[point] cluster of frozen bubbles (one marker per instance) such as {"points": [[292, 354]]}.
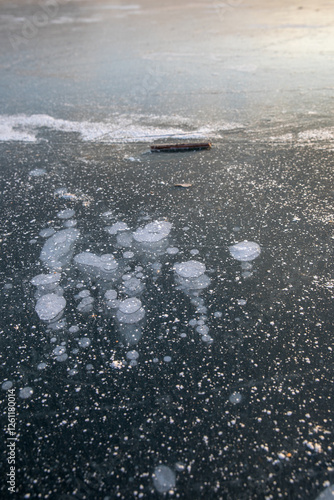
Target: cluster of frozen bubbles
{"points": [[119, 279]]}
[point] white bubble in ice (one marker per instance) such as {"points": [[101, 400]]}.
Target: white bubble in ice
{"points": [[47, 232], [132, 355], [62, 357], [167, 359], [107, 214], [163, 478], [241, 302], [190, 269], [183, 335], [172, 250], [45, 279], [115, 228], [84, 342], [124, 240], [194, 251], [246, 266], [133, 287], [50, 306], [97, 266], [218, 314], [246, 274], [83, 294], [72, 372], [207, 338], [129, 306], [41, 366], [202, 309], [8, 384], [126, 277], [153, 232], [156, 266], [202, 329], [327, 494], [66, 214], [37, 172], [180, 466], [74, 329], [193, 322], [235, 398], [89, 367], [86, 305], [133, 362], [155, 360], [57, 250], [132, 335], [59, 350], [110, 295], [245, 250], [70, 223], [26, 392], [128, 255]]}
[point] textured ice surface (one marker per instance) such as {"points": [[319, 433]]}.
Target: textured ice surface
{"points": [[163, 478], [96, 266], [245, 250], [153, 232], [190, 269], [66, 214], [115, 228], [118, 129], [57, 250], [50, 306]]}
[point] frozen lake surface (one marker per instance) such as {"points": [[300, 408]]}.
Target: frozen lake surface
{"points": [[167, 342]]}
